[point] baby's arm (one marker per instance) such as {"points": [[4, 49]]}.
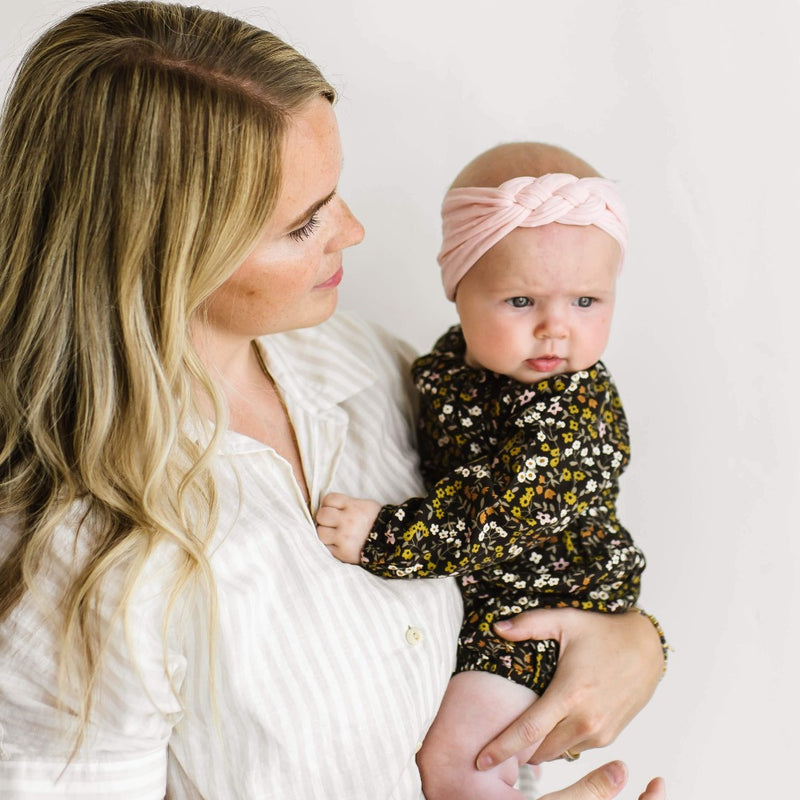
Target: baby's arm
{"points": [[552, 466], [343, 524]]}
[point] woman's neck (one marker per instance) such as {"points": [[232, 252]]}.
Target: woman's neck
{"points": [[255, 406]]}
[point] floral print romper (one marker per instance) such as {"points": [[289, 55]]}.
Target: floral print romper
{"points": [[522, 482]]}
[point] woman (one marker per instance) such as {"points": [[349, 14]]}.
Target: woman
{"points": [[176, 397]]}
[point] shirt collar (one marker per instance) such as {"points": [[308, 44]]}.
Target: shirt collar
{"points": [[311, 371]]}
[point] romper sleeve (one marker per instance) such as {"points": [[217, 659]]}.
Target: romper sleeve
{"points": [[135, 699], [566, 443]]}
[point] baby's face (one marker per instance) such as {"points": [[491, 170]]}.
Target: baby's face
{"points": [[540, 302]]}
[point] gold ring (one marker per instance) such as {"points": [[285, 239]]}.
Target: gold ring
{"points": [[568, 755]]}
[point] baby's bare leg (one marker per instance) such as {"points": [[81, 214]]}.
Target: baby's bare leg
{"points": [[475, 708]]}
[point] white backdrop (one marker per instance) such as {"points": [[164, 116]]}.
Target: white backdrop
{"points": [[692, 106]]}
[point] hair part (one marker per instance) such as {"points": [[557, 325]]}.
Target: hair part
{"points": [[140, 152]]}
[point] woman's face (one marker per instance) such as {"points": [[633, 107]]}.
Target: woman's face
{"points": [[289, 280]]}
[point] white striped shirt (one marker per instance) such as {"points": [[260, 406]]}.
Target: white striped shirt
{"points": [[327, 676]]}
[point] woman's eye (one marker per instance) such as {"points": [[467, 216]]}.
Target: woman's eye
{"points": [[306, 230], [519, 302], [584, 302]]}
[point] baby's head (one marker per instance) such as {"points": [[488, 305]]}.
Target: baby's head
{"points": [[533, 242]]}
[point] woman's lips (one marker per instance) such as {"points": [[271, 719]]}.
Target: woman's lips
{"points": [[334, 280], [545, 363]]}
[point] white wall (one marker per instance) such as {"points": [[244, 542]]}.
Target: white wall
{"points": [[692, 106]]}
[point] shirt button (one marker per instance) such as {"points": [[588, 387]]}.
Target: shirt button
{"points": [[413, 635]]}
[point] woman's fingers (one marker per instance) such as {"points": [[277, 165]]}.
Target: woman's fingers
{"points": [[609, 666], [602, 783], [544, 623], [529, 729], [656, 790]]}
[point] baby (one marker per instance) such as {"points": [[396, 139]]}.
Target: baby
{"points": [[522, 439]]}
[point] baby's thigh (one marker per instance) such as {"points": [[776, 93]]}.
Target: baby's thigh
{"points": [[476, 707]]}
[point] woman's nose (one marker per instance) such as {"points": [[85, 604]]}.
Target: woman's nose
{"points": [[349, 230]]}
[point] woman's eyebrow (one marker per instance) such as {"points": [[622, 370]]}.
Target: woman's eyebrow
{"points": [[309, 212]]}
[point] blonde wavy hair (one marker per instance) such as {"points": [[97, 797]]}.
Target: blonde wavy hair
{"points": [[139, 160]]}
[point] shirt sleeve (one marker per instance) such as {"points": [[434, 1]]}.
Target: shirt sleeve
{"points": [[564, 450], [135, 700]]}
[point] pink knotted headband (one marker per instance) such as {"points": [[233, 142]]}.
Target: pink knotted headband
{"points": [[475, 218]]}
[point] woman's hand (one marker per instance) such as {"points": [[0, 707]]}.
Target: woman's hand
{"points": [[609, 666], [604, 783]]}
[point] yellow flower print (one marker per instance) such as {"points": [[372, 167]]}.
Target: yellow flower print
{"points": [[419, 528], [526, 498], [570, 498]]}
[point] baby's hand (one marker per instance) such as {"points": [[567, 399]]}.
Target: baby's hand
{"points": [[343, 524]]}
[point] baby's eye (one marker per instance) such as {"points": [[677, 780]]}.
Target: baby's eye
{"points": [[585, 302], [306, 230], [519, 302]]}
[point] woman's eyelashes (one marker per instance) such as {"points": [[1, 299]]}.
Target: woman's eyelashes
{"points": [[305, 230]]}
